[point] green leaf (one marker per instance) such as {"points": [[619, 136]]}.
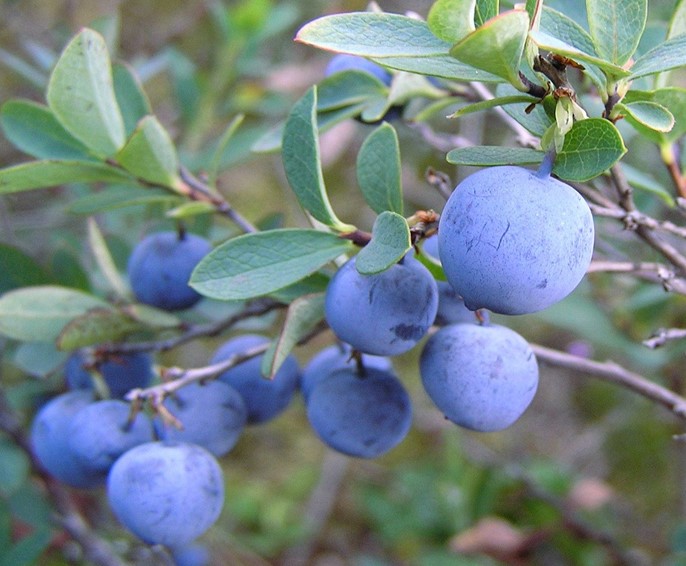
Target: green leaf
{"points": [[215, 163], [50, 173], [38, 314], [666, 56], [372, 34], [81, 94], [378, 170], [67, 271], [451, 20], [28, 550], [485, 156], [591, 147], [390, 242], [193, 208], [677, 24], [648, 114], [149, 154], [120, 196], [132, 100], [151, 316], [260, 263], [19, 269], [646, 182], [38, 359], [497, 46], [485, 10], [566, 30], [493, 103], [443, 66], [184, 79], [300, 153], [104, 260], [33, 129], [14, 468], [349, 87], [315, 283], [616, 27], [95, 326], [303, 316], [536, 121]]}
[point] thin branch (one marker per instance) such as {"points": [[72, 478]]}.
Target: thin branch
{"points": [[653, 272], [614, 373], [671, 162], [664, 335]]}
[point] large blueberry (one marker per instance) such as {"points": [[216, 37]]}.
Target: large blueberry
{"points": [[160, 267], [264, 398], [166, 492], [514, 241], [212, 414], [121, 372], [362, 416], [335, 357], [102, 431], [481, 377], [50, 440], [383, 314]]}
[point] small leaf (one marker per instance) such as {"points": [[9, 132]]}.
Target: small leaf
{"points": [[646, 182], [38, 314], [372, 34], [390, 242], [132, 100], [120, 196], [485, 156], [674, 100], [38, 359], [81, 94], [303, 316], [149, 154], [485, 10], [300, 153], [349, 87], [451, 20], [151, 316], [19, 269], [677, 24], [14, 468], [49, 173], [536, 120], [95, 326], [649, 114], [315, 283], [260, 263], [193, 208], [497, 46], [493, 103], [33, 129], [591, 147], [378, 170], [215, 164], [103, 258], [666, 56], [443, 66], [616, 27]]}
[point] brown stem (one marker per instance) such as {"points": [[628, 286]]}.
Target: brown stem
{"points": [[672, 165]]}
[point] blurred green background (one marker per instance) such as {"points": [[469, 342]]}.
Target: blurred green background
{"points": [[590, 475]]}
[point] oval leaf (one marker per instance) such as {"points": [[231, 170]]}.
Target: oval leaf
{"points": [[390, 242], [451, 20], [42, 174], [81, 94], [33, 129], [95, 327], [664, 57], [303, 316], [132, 100], [19, 269], [263, 262], [591, 147], [300, 153], [121, 196], [378, 170], [616, 27], [649, 114], [38, 314], [104, 259], [497, 46], [486, 156], [372, 34], [443, 66]]}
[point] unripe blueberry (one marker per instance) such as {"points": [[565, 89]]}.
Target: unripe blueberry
{"points": [[160, 267], [514, 241], [50, 440], [383, 314], [121, 372], [213, 416], [362, 416], [335, 357], [264, 398], [166, 492], [481, 377], [101, 432]]}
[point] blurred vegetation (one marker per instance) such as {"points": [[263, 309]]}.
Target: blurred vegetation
{"points": [[590, 475]]}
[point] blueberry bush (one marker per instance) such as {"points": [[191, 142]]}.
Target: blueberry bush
{"points": [[309, 283]]}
